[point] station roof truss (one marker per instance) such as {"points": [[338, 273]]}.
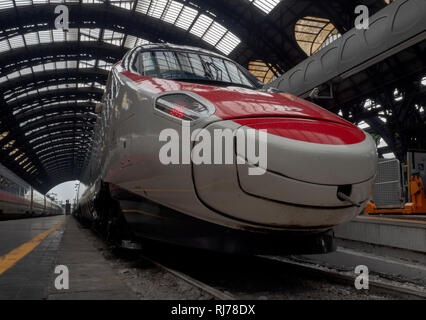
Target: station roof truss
{"points": [[51, 79]]}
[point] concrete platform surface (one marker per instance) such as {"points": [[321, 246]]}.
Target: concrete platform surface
{"points": [[30, 250], [347, 260], [394, 232]]}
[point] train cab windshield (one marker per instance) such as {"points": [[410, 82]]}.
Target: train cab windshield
{"points": [[192, 67]]}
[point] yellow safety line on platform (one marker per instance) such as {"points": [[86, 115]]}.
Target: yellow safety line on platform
{"points": [[10, 259], [393, 220]]}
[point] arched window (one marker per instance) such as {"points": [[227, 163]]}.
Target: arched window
{"points": [[263, 71], [313, 34]]}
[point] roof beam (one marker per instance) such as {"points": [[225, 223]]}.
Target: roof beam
{"points": [[53, 77], [42, 17]]}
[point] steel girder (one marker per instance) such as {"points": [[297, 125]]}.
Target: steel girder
{"points": [[61, 51], [34, 18], [54, 77], [76, 108]]}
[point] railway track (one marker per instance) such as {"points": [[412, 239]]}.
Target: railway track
{"points": [[407, 291], [216, 293], [225, 277], [378, 288]]}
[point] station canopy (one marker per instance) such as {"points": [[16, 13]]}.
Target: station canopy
{"points": [[51, 79]]}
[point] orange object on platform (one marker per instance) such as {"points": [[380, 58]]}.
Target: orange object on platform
{"points": [[417, 204]]}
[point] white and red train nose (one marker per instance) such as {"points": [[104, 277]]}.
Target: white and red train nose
{"points": [[308, 163]]}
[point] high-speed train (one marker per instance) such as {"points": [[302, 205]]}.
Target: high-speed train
{"points": [[19, 199], [190, 149]]}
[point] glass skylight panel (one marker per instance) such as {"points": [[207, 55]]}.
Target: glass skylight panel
{"points": [[115, 38], [38, 68], [9, 144], [201, 25], [106, 67], [23, 2], [45, 36], [33, 92], [19, 157], [214, 33], [186, 18], [89, 34], [13, 152], [87, 64], [58, 35], [71, 64], [126, 4], [132, 41], [157, 8], [13, 75], [182, 16], [50, 66], [26, 71], [172, 12], [61, 65], [16, 42], [363, 125], [31, 38], [103, 63], [265, 5], [23, 161], [143, 6], [4, 45], [229, 42], [7, 96], [72, 34], [67, 86], [6, 4], [49, 36]]}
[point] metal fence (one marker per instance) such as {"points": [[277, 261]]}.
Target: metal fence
{"points": [[387, 189]]}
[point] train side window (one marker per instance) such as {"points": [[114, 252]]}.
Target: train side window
{"points": [[146, 64], [126, 62], [132, 61]]}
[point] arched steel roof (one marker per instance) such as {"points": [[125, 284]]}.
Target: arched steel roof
{"points": [[50, 80]]}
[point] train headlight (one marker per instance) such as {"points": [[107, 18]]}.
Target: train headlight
{"points": [[182, 106]]}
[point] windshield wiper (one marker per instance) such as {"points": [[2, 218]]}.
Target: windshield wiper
{"points": [[218, 71], [207, 70]]}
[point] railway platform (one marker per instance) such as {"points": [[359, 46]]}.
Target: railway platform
{"points": [[31, 249], [406, 232]]}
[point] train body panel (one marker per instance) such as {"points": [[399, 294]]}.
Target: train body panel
{"points": [[312, 154]]}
